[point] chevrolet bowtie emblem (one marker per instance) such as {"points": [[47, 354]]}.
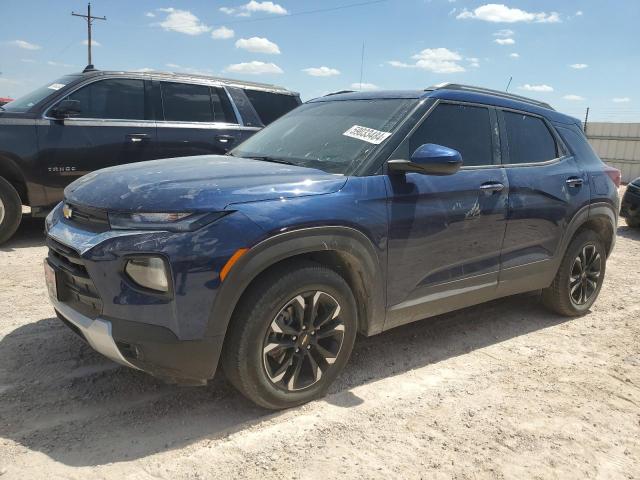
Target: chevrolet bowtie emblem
{"points": [[67, 212]]}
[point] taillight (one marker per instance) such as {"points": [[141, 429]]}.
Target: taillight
{"points": [[614, 174]]}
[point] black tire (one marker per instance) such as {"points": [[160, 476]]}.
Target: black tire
{"points": [[570, 280], [633, 222], [10, 210], [272, 300]]}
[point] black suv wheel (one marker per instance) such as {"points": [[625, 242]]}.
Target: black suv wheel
{"points": [[580, 276], [10, 210], [291, 336]]}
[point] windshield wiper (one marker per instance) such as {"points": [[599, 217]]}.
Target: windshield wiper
{"points": [[264, 158]]}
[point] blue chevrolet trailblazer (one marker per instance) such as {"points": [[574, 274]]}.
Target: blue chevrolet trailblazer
{"points": [[354, 213]]}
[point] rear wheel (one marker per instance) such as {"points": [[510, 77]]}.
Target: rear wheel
{"points": [[580, 276], [291, 336], [10, 210]]}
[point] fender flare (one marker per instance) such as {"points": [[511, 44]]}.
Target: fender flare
{"points": [[355, 247], [11, 171]]}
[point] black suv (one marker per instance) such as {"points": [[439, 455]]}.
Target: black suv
{"points": [[95, 119]]}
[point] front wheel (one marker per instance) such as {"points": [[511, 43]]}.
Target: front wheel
{"points": [[10, 210], [291, 336], [580, 276]]}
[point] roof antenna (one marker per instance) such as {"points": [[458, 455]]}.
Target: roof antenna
{"points": [[361, 66], [508, 84]]}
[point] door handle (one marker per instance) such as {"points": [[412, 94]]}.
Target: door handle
{"points": [[491, 187], [137, 137], [226, 139], [574, 182]]}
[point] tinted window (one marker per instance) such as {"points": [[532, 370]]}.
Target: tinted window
{"points": [[464, 128], [116, 98], [186, 103], [529, 139], [222, 109], [271, 106]]}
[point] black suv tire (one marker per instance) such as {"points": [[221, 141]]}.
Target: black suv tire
{"points": [[582, 270], [293, 307], [10, 210]]}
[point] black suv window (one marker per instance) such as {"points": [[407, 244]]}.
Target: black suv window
{"points": [[115, 98], [464, 128], [529, 139], [185, 102], [271, 106]]}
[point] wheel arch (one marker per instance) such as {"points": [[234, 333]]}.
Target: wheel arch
{"points": [[599, 217], [11, 172], [346, 250]]}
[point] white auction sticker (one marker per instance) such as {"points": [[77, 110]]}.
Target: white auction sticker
{"points": [[367, 134], [55, 86]]}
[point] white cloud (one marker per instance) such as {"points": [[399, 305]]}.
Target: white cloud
{"points": [[254, 68], [222, 33], [24, 45], [573, 98], [514, 55], [194, 71], [182, 21], [150, 15], [58, 64], [621, 100], [94, 43], [365, 87], [505, 41], [504, 33], [474, 62], [536, 88], [267, 7], [144, 70], [437, 60], [579, 66], [258, 45], [27, 60], [579, 13], [8, 81], [499, 13], [321, 71], [253, 7]]}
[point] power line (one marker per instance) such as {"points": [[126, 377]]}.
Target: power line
{"points": [[89, 18]]}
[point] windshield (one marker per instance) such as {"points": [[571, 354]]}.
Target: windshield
{"points": [[24, 103], [330, 136]]}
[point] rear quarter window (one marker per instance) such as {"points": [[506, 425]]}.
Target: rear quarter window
{"points": [[271, 106]]}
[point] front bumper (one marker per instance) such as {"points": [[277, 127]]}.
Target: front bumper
{"points": [[630, 205], [97, 332]]}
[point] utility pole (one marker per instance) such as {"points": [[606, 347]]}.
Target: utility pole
{"points": [[586, 119], [89, 20], [361, 66]]}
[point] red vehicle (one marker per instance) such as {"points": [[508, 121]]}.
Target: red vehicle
{"points": [[5, 100]]}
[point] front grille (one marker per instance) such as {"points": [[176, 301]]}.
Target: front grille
{"points": [[93, 219], [75, 286]]}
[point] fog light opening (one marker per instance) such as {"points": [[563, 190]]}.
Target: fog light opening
{"points": [[148, 272]]}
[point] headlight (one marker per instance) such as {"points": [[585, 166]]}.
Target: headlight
{"points": [[148, 272], [171, 221]]}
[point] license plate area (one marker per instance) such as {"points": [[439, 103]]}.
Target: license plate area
{"points": [[51, 278]]}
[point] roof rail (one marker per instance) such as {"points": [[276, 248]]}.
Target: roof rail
{"points": [[339, 92], [488, 91]]}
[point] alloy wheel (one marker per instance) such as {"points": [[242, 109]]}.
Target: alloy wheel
{"points": [[585, 275], [303, 340]]}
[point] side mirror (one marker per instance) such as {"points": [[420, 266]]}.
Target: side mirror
{"points": [[66, 108], [429, 159]]}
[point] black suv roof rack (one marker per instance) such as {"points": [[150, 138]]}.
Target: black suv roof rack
{"points": [[339, 92], [488, 91]]}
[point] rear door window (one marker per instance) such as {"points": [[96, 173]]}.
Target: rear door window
{"points": [[115, 98], [464, 128], [183, 102], [528, 139], [271, 106]]}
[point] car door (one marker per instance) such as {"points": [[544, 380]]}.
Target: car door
{"points": [[446, 232], [198, 120], [112, 128], [547, 189]]}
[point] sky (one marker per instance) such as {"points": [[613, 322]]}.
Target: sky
{"points": [[573, 54]]}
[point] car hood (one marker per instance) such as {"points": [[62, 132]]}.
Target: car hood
{"points": [[203, 183]]}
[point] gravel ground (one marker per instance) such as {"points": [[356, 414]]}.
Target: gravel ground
{"points": [[502, 390]]}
